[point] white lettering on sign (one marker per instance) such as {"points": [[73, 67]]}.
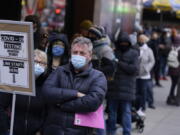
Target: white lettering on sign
{"points": [[13, 44], [16, 73]]}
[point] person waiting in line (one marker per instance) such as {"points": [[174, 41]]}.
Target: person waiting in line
{"points": [[73, 88], [57, 51], [102, 52], [103, 56], [30, 111], [177, 96], [44, 42], [174, 72], [164, 48], [154, 45], [84, 27], [101, 44], [144, 86], [122, 93], [36, 29]]}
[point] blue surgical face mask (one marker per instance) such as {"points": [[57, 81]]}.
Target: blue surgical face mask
{"points": [[38, 69], [78, 61], [57, 50]]}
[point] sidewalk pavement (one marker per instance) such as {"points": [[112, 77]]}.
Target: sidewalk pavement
{"points": [[165, 119]]}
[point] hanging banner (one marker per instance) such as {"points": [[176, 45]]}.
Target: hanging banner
{"points": [[16, 57]]}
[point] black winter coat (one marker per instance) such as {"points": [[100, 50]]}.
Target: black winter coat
{"points": [[104, 65], [29, 112], [60, 92], [124, 85]]}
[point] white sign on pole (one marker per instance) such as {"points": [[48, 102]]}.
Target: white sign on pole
{"points": [[16, 60], [16, 57]]}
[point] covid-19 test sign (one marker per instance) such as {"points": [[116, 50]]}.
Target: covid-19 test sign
{"points": [[16, 57], [13, 44]]}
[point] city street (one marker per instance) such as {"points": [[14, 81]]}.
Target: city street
{"points": [[164, 120]]}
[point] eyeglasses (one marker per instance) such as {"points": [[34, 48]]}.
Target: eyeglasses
{"points": [[41, 63]]}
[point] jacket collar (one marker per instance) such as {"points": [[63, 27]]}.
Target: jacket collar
{"points": [[69, 69]]}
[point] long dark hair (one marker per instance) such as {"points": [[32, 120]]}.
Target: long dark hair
{"points": [[65, 57]]}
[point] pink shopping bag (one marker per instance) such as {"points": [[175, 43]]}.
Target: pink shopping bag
{"points": [[92, 119]]}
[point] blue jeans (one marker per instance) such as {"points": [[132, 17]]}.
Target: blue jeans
{"points": [[150, 94], [125, 109], [100, 131], [141, 93], [163, 65]]}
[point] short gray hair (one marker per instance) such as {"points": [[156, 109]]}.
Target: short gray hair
{"points": [[83, 41]]}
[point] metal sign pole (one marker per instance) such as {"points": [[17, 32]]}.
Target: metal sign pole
{"points": [[12, 113]]}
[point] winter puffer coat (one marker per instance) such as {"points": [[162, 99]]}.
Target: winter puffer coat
{"points": [[60, 92], [124, 84]]}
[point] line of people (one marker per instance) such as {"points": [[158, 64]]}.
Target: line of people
{"points": [[77, 76]]}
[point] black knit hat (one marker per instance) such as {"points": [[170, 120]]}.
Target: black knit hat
{"points": [[96, 31]]}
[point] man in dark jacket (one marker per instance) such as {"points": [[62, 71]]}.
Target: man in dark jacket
{"points": [[123, 92], [73, 88]]}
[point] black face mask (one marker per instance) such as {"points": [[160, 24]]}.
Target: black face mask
{"points": [[140, 44], [93, 39], [123, 48]]}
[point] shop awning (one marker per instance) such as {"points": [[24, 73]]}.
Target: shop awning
{"points": [[162, 4]]}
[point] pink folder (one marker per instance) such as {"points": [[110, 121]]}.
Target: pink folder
{"points": [[92, 119]]}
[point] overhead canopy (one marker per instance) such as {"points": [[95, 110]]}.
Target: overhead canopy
{"points": [[162, 4]]}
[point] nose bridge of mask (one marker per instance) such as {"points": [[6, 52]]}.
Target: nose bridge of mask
{"points": [[38, 67], [78, 61], [57, 50], [78, 58], [58, 47]]}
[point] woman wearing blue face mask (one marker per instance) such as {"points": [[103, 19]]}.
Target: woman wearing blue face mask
{"points": [[29, 113], [57, 51]]}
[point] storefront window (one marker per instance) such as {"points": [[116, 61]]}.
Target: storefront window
{"points": [[51, 12]]}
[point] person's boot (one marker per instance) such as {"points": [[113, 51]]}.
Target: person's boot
{"points": [[171, 100], [177, 101]]}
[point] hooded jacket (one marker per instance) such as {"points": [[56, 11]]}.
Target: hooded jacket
{"points": [[124, 84], [64, 58]]}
